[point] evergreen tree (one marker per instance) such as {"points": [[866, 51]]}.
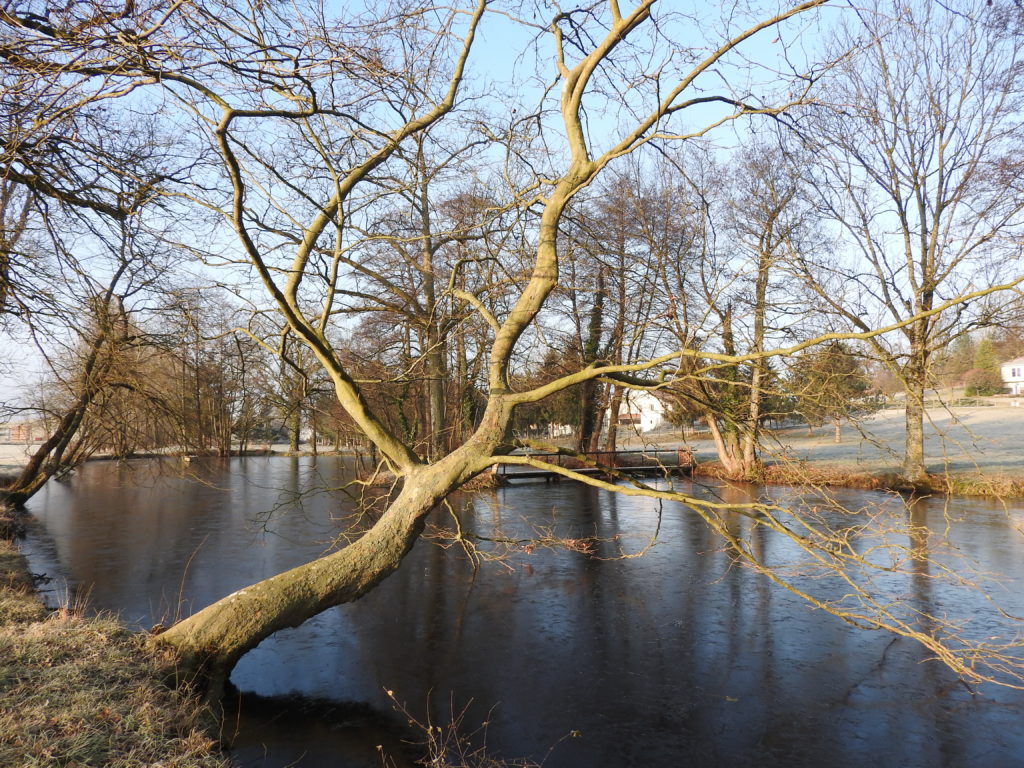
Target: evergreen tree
{"points": [[984, 379], [828, 382]]}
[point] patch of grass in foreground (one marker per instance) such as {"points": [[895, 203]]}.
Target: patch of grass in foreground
{"points": [[86, 692], [18, 600]]}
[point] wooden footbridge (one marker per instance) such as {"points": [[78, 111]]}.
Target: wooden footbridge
{"points": [[604, 464]]}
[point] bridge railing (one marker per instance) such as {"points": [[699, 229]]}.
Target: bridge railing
{"points": [[673, 458]]}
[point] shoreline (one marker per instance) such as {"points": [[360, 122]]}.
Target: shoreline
{"points": [[87, 691], [970, 450], [784, 473]]}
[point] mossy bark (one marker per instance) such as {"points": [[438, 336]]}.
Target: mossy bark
{"points": [[915, 376], [914, 471], [211, 641]]}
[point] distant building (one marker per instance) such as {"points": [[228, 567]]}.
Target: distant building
{"points": [[641, 410], [1012, 372], [23, 431]]}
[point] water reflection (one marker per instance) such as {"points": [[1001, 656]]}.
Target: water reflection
{"points": [[681, 656]]}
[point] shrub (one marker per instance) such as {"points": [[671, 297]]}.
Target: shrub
{"points": [[983, 383]]}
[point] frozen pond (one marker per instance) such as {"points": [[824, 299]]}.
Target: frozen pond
{"points": [[678, 657]]}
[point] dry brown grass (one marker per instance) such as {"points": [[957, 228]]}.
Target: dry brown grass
{"points": [[794, 473], [18, 600], [800, 473], [86, 692], [1000, 486]]}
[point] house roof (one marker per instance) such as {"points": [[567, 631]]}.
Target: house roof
{"points": [[1015, 361]]}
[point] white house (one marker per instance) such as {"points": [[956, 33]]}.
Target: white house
{"points": [[1013, 375], [641, 410]]}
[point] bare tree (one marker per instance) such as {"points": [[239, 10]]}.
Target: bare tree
{"points": [[909, 150], [737, 294], [214, 638], [96, 357]]}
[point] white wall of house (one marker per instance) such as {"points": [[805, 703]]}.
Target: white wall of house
{"points": [[642, 410], [1012, 372]]}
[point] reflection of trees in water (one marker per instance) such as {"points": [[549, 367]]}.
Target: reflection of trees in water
{"points": [[863, 557], [651, 645]]}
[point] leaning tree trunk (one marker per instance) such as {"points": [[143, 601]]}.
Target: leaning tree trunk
{"points": [[212, 641], [49, 457]]}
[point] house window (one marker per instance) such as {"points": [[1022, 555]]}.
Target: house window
{"points": [[1015, 373]]}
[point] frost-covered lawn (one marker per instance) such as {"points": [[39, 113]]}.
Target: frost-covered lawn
{"points": [[13, 456], [964, 441]]}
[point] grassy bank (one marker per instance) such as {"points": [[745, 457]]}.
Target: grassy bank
{"points": [[790, 473], [86, 692], [798, 474]]}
